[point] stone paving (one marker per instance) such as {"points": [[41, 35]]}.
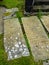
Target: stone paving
{"points": [[10, 13], [2, 10], [6, 14], [14, 42], [46, 62], [45, 20], [37, 37], [41, 7]]}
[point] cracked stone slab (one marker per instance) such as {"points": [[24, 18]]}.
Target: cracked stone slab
{"points": [[10, 13], [45, 20], [14, 42], [37, 37]]}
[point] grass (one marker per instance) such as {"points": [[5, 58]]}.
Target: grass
{"points": [[29, 60], [20, 61], [39, 15], [20, 21], [12, 3]]}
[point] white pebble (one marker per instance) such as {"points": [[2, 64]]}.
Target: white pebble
{"points": [[42, 47], [25, 49], [5, 47], [21, 46], [27, 53], [20, 49], [15, 56], [11, 37], [16, 45], [13, 51], [8, 48], [4, 39], [18, 33], [47, 50], [24, 45], [47, 46], [19, 42], [10, 57], [9, 53], [13, 48], [16, 38], [24, 52]]}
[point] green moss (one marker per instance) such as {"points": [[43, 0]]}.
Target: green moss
{"points": [[7, 14]]}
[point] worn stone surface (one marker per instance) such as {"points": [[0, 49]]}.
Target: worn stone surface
{"points": [[14, 42], [45, 20], [41, 7], [2, 10], [41, 0], [10, 13], [37, 38], [46, 63]]}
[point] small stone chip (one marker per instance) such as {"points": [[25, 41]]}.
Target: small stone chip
{"points": [[16, 45], [15, 56], [19, 42], [16, 38]]}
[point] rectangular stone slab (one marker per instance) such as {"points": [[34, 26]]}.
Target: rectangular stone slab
{"points": [[45, 20], [1, 20], [14, 42], [37, 38], [41, 7], [42, 0]]}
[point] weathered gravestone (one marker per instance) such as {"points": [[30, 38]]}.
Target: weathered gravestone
{"points": [[14, 42], [46, 62], [45, 21], [37, 37], [2, 10]]}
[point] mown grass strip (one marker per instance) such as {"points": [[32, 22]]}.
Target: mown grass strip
{"points": [[39, 15], [27, 42]]}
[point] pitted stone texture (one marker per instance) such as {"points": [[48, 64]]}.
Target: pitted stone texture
{"points": [[37, 38], [45, 20], [2, 10], [14, 42]]}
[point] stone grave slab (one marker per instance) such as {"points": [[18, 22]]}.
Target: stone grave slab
{"points": [[14, 42], [45, 20], [46, 62], [10, 13], [37, 37], [2, 10]]}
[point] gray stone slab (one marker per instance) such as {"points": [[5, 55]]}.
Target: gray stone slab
{"points": [[37, 37], [45, 20], [46, 63], [14, 41], [10, 13], [1, 19], [40, 7], [41, 0]]}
